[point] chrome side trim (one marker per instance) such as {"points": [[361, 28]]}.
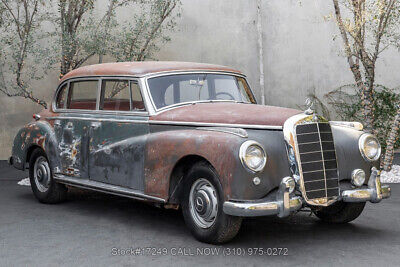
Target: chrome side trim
{"points": [[235, 131], [283, 206], [97, 119], [177, 123], [246, 126], [105, 188]]}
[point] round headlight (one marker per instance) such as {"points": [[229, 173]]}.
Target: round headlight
{"points": [[358, 177], [369, 147], [253, 156]]}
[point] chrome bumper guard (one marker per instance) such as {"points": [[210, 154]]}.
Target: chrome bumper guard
{"points": [[374, 193], [282, 207]]}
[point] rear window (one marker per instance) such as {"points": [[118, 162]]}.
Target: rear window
{"points": [[62, 97], [83, 95]]}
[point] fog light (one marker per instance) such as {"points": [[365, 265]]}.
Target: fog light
{"points": [[358, 177], [256, 180], [291, 183]]}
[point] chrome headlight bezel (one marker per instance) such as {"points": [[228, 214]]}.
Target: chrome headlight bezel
{"points": [[361, 144], [243, 152], [355, 177]]}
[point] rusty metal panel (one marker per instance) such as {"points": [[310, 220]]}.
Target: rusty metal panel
{"points": [[116, 153], [227, 113], [143, 68], [168, 144], [39, 134], [165, 148]]}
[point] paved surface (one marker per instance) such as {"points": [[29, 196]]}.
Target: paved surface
{"points": [[90, 227]]}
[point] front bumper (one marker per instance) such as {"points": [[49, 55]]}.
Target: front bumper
{"points": [[282, 206], [285, 204], [374, 193]]}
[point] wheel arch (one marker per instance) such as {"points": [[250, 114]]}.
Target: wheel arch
{"points": [[176, 178], [30, 151]]}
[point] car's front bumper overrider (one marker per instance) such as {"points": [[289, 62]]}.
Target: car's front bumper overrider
{"points": [[282, 206], [285, 203], [374, 193]]}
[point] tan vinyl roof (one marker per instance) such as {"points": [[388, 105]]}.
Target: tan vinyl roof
{"points": [[142, 68]]}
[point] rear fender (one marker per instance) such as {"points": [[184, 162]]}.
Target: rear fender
{"points": [[35, 134]]}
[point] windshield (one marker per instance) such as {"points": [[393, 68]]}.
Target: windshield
{"points": [[175, 89]]}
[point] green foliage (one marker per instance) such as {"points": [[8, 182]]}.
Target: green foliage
{"points": [[84, 33], [144, 33], [20, 42], [79, 33], [346, 101]]}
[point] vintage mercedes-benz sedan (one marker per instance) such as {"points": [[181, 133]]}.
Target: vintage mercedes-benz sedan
{"points": [[191, 135]]}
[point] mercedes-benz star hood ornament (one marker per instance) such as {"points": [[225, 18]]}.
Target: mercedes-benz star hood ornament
{"points": [[309, 105]]}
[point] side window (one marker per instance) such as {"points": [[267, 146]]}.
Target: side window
{"points": [[116, 95], [62, 97], [83, 95], [137, 99]]}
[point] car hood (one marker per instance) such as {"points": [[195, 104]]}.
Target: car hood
{"points": [[227, 113]]}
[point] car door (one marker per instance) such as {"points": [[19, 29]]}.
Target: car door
{"points": [[76, 103], [118, 135]]}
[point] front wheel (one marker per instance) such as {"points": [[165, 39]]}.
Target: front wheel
{"points": [[340, 212], [202, 207], [45, 189]]}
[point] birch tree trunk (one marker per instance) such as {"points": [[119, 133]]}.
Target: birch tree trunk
{"points": [[390, 141]]}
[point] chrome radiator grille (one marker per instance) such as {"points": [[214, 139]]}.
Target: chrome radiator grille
{"points": [[318, 160]]}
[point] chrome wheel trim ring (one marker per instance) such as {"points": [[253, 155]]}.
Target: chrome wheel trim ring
{"points": [[42, 174], [203, 203]]}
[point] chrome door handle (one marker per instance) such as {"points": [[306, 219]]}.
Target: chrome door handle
{"points": [[57, 124], [95, 125]]}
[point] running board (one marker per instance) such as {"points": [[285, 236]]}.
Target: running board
{"points": [[105, 188]]}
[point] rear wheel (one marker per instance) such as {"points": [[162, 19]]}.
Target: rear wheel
{"points": [[202, 206], [45, 189], [340, 212]]}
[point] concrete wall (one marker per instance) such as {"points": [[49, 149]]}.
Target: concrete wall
{"points": [[300, 53]]}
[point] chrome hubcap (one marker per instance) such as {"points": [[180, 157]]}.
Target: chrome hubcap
{"points": [[203, 203], [42, 174]]}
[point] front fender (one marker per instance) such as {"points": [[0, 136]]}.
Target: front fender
{"points": [[348, 153], [38, 134], [165, 148]]}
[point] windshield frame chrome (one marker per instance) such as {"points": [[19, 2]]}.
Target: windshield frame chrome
{"points": [[156, 110]]}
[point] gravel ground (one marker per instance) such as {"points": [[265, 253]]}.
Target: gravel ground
{"points": [[391, 177]]}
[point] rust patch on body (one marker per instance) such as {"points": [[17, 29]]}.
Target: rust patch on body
{"points": [[165, 149], [142, 68], [228, 113]]}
